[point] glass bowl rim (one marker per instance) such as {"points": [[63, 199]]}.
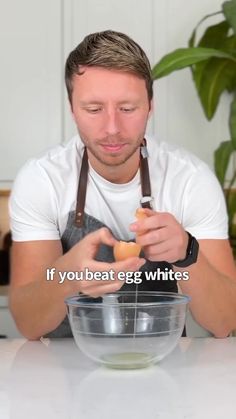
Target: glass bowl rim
{"points": [[177, 299]]}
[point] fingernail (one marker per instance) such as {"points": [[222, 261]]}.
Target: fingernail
{"points": [[133, 227]]}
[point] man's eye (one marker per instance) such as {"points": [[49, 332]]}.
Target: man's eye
{"points": [[93, 110], [127, 110]]}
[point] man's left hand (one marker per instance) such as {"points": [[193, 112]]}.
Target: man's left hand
{"points": [[161, 236]]}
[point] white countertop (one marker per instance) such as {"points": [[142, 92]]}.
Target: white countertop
{"points": [[54, 380]]}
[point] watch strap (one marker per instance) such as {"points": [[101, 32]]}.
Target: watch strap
{"points": [[191, 253]]}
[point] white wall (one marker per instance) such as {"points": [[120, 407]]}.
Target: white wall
{"points": [[35, 39], [30, 80]]}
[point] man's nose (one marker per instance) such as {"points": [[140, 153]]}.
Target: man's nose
{"points": [[112, 122]]}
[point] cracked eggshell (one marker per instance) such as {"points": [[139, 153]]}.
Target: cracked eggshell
{"points": [[124, 250]]}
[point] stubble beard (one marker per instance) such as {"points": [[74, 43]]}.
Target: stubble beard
{"points": [[112, 160]]}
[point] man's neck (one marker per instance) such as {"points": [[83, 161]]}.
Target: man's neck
{"points": [[123, 173]]}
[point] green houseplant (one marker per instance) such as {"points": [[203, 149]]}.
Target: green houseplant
{"points": [[212, 61]]}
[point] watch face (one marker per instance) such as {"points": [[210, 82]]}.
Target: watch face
{"points": [[191, 254]]}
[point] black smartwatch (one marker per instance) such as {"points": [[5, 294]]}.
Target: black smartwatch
{"points": [[191, 253]]}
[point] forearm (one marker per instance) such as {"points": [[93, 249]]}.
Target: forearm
{"points": [[213, 297], [38, 307]]}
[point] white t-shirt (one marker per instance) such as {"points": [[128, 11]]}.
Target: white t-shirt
{"points": [[45, 191]]}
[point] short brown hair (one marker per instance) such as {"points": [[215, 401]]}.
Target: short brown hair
{"points": [[111, 50]]}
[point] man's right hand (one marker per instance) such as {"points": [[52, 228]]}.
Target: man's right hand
{"points": [[81, 256]]}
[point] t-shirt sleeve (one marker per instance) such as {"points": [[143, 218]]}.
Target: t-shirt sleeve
{"points": [[33, 205], [205, 213]]}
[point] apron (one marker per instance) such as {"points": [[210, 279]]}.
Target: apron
{"points": [[79, 224]]}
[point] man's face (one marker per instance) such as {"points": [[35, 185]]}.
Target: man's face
{"points": [[111, 110]]}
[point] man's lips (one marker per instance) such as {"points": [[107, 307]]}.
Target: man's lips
{"points": [[112, 147]]}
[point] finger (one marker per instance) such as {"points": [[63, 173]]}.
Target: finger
{"points": [[102, 235], [157, 249], [98, 290], [146, 211], [98, 237], [130, 264], [152, 237], [168, 255], [143, 224], [157, 220]]}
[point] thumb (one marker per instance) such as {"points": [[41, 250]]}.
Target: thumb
{"points": [[100, 236], [148, 212], [133, 263]]}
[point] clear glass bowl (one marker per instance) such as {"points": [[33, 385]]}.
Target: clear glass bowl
{"points": [[125, 329]]}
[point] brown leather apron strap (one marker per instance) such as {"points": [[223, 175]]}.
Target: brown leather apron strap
{"points": [[82, 187], [144, 176], [83, 179]]}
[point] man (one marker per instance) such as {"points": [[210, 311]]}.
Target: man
{"points": [[109, 84]]}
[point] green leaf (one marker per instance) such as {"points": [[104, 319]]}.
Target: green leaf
{"points": [[221, 160], [193, 36], [229, 10], [231, 206], [232, 122], [214, 35], [228, 45], [212, 38], [185, 57], [218, 76]]}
